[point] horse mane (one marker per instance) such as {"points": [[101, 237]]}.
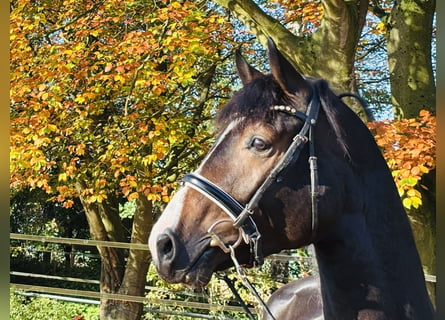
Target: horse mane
{"points": [[254, 100], [329, 102]]}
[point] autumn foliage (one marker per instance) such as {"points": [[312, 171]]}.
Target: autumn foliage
{"points": [[409, 148], [307, 13], [104, 94], [107, 93]]}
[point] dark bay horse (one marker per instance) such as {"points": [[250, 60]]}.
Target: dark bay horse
{"points": [[293, 165]]}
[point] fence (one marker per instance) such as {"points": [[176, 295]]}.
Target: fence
{"points": [[93, 297]]}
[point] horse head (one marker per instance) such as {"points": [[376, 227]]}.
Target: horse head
{"points": [[256, 130]]}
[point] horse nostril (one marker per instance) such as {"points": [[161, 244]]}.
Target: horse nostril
{"points": [[165, 247]]}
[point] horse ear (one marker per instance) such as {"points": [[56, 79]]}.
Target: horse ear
{"points": [[245, 71], [290, 80]]}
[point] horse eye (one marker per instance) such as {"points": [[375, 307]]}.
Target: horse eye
{"points": [[259, 144]]}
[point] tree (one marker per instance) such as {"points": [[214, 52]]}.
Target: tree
{"points": [[409, 29], [323, 44], [109, 100], [328, 52]]}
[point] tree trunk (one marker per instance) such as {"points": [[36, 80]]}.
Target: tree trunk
{"points": [[423, 222], [112, 269], [409, 56], [104, 223], [134, 280], [116, 276]]}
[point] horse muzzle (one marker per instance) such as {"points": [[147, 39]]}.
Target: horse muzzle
{"points": [[191, 264]]}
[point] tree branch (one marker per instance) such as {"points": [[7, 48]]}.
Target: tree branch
{"points": [[375, 8], [264, 26]]}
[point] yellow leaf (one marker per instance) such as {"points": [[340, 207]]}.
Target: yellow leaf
{"points": [[132, 183], [119, 78], [80, 149], [100, 197], [153, 197], [381, 26], [416, 202], [176, 5], [407, 203], [142, 83], [52, 127], [62, 176], [79, 99], [133, 195], [94, 33]]}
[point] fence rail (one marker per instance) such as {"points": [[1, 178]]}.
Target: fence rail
{"points": [[93, 297], [128, 298], [84, 242], [141, 246], [125, 245]]}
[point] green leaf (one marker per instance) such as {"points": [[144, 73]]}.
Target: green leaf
{"points": [[410, 181]]}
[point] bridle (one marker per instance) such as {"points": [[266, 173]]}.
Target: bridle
{"points": [[241, 215]]}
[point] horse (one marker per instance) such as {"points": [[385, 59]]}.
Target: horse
{"points": [[292, 165]]}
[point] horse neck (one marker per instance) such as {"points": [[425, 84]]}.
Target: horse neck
{"points": [[368, 262], [357, 273]]}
